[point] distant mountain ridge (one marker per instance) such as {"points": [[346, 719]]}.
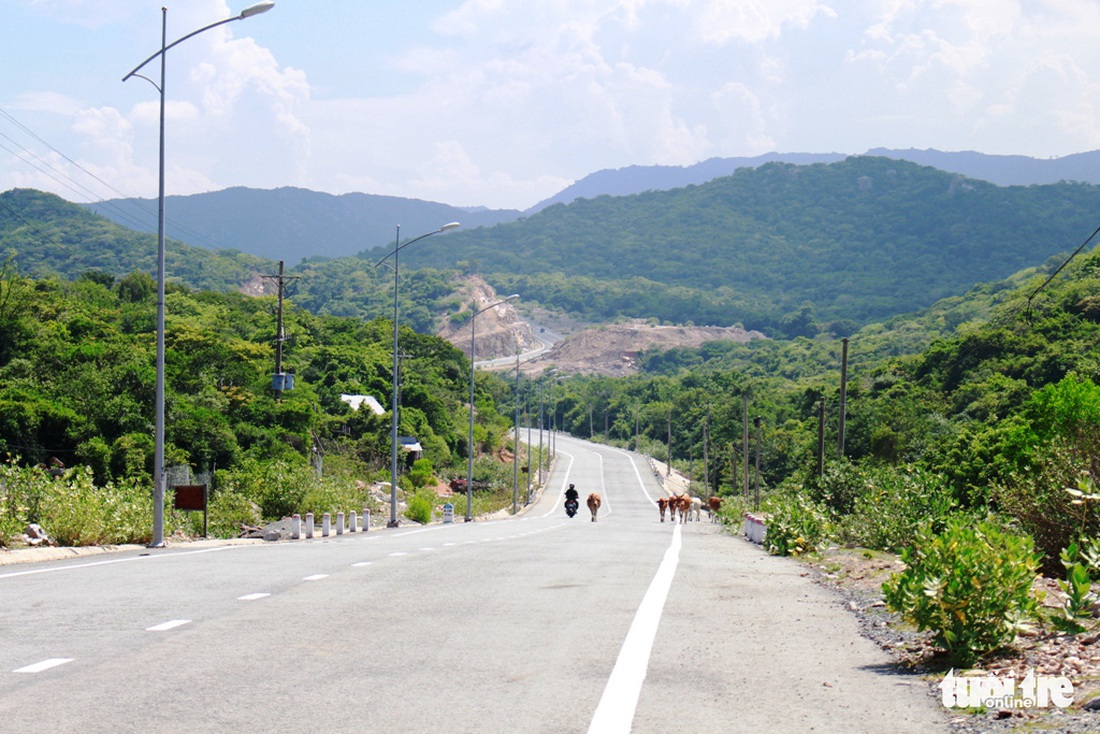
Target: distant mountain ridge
{"points": [[293, 224], [1003, 170], [290, 223]]}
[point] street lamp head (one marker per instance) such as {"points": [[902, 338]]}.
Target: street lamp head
{"points": [[261, 7], [449, 226]]}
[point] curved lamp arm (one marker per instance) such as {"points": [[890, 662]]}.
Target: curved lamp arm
{"points": [[260, 7]]}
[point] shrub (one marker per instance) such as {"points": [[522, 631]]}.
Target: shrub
{"points": [[970, 585], [420, 506], [893, 506], [1040, 499], [76, 512], [796, 525]]}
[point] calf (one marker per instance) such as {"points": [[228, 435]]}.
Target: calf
{"points": [[696, 508], [713, 505], [594, 503]]}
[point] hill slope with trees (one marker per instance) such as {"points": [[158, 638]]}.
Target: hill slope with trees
{"points": [[779, 247]]}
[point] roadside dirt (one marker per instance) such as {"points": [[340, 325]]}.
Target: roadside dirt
{"points": [[857, 576]]}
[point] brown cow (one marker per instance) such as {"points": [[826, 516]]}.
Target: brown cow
{"points": [[662, 505], [680, 504], [713, 505], [594, 502]]}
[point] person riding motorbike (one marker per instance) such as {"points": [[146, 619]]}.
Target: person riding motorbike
{"points": [[572, 500]]}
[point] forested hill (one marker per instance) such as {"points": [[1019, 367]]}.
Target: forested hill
{"points": [[861, 239], [52, 237]]}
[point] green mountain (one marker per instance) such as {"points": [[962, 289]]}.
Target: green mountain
{"points": [[290, 223], [860, 240], [782, 248], [52, 237]]}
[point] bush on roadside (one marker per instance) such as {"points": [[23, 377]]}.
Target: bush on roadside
{"points": [[76, 512], [796, 524], [420, 506], [893, 505], [970, 585]]}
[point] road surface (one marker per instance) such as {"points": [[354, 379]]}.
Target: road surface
{"points": [[536, 623]]}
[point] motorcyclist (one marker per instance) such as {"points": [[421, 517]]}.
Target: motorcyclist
{"points": [[571, 493], [572, 501]]}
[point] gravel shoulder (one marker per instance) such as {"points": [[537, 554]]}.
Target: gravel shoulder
{"points": [[856, 577]]}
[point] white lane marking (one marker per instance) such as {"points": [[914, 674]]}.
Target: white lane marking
{"points": [[398, 553], [129, 559], [44, 665], [427, 550], [165, 626], [564, 482], [316, 577], [360, 564], [615, 712], [254, 597]]}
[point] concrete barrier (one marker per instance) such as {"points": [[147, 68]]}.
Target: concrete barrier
{"points": [[296, 527], [754, 528], [353, 522], [309, 524]]}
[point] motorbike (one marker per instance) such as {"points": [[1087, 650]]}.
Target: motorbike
{"points": [[571, 507]]}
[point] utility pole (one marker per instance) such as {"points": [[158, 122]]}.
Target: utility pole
{"points": [[706, 464], [756, 502], [279, 380], [843, 392], [745, 440], [821, 438]]}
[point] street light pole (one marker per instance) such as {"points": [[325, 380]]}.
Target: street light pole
{"points": [[470, 439], [395, 252], [159, 479]]}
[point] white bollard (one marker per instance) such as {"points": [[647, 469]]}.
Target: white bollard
{"points": [[353, 521], [309, 524], [296, 527], [339, 523], [366, 519], [326, 525]]}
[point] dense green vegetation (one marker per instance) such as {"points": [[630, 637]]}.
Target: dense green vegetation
{"points": [[860, 241], [77, 385]]}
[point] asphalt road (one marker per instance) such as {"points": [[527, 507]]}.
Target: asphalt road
{"points": [[536, 623]]}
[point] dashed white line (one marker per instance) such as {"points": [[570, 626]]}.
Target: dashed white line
{"points": [[44, 665], [360, 564], [165, 626], [254, 597], [316, 577]]}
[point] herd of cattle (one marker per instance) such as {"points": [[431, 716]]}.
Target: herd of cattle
{"points": [[683, 505], [687, 508]]}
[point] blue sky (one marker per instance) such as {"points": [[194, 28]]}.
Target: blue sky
{"points": [[502, 103]]}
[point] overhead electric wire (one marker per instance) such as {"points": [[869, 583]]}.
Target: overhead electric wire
{"points": [[97, 200]]}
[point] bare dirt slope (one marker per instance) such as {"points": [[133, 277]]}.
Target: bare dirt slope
{"points": [[613, 349], [609, 349]]}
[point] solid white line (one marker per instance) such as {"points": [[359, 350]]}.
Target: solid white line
{"points": [[44, 665], [254, 597], [129, 559], [165, 626], [615, 712]]}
